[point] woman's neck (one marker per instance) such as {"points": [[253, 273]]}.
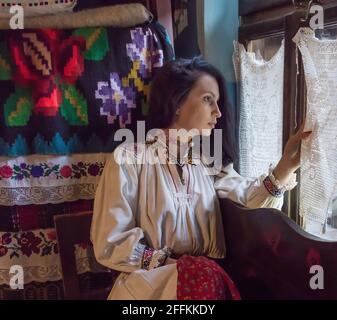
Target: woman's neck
{"points": [[179, 134], [179, 140]]}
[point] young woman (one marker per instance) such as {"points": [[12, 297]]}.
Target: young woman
{"points": [[159, 222]]}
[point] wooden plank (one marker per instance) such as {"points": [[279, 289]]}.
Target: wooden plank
{"points": [[293, 101], [266, 15], [262, 29], [71, 229], [250, 6]]}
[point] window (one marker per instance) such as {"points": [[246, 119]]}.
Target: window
{"points": [[263, 36]]}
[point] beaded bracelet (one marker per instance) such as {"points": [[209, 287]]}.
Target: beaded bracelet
{"points": [[272, 189], [282, 187], [147, 257], [154, 258]]}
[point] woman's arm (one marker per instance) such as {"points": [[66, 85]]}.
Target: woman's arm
{"points": [[250, 192], [260, 192], [118, 240]]}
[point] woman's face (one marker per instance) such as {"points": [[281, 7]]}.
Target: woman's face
{"points": [[200, 110]]}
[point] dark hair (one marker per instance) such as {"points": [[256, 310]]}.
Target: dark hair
{"points": [[170, 88]]}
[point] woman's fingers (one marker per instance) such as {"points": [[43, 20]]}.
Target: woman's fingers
{"points": [[301, 128], [301, 134], [306, 134]]}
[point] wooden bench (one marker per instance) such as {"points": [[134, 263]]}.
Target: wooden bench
{"points": [[270, 257], [72, 229]]}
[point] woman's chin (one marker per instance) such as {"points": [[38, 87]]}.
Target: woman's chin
{"points": [[206, 132]]}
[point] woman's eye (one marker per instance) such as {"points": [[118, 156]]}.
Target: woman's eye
{"points": [[208, 99]]}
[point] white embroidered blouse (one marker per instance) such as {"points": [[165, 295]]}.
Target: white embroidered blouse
{"points": [[150, 204]]}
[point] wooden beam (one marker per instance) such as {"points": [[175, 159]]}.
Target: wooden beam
{"points": [[247, 7], [268, 14], [262, 29]]}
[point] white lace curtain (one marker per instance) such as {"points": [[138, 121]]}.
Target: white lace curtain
{"points": [[318, 186], [260, 86]]}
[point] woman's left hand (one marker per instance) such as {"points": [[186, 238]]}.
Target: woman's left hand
{"points": [[290, 160]]}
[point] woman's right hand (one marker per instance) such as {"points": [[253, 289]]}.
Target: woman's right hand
{"points": [[170, 261]]}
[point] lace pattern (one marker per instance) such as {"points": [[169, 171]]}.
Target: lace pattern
{"points": [[44, 273], [38, 179], [43, 195], [319, 151], [261, 109]]}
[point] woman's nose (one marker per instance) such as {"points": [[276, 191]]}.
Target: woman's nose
{"points": [[217, 112]]}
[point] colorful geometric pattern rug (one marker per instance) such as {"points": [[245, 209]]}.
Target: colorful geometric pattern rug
{"points": [[69, 91]]}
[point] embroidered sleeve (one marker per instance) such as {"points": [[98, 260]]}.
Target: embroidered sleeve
{"points": [[154, 258], [250, 192]]}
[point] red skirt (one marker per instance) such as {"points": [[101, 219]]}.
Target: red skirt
{"points": [[200, 278]]}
